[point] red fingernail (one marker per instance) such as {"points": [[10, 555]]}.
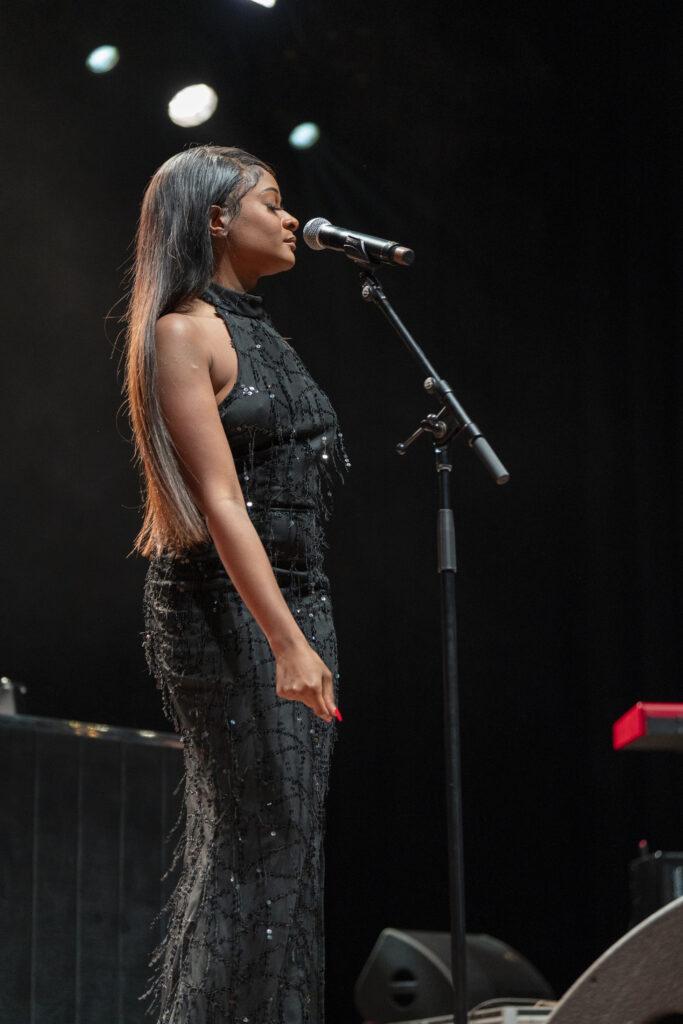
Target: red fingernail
{"points": [[337, 714]]}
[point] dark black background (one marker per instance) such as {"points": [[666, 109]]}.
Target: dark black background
{"points": [[530, 153]]}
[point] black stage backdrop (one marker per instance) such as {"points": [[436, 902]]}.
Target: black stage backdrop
{"points": [[529, 152]]}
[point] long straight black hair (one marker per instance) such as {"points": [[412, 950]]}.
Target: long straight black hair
{"points": [[173, 264]]}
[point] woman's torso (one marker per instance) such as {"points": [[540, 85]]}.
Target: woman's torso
{"points": [[282, 429]]}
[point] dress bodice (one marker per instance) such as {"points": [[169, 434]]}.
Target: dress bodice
{"points": [[283, 433]]}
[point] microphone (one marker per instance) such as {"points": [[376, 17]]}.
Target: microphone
{"points": [[320, 234]]}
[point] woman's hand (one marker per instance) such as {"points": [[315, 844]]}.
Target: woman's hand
{"points": [[301, 675]]}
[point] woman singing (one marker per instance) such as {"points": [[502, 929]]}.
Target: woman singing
{"points": [[235, 442]]}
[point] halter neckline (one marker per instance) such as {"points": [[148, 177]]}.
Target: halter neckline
{"points": [[242, 303]]}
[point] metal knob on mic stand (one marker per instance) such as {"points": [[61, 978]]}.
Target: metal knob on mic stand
{"points": [[451, 423]]}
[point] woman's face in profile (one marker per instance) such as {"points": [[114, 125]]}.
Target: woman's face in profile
{"points": [[260, 240]]}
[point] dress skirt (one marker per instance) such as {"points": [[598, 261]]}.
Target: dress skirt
{"points": [[245, 935]]}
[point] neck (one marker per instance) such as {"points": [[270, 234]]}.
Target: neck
{"points": [[226, 275]]}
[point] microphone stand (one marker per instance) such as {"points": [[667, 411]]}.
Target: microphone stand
{"points": [[450, 423]]}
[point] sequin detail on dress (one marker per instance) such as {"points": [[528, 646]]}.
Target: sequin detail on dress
{"points": [[244, 942]]}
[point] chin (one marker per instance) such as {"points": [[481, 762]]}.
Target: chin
{"points": [[279, 267], [287, 263]]}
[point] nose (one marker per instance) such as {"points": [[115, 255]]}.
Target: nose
{"points": [[291, 222]]}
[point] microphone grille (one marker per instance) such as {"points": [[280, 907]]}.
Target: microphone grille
{"points": [[311, 230]]}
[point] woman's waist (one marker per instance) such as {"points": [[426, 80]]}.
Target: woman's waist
{"points": [[293, 538], [187, 583]]}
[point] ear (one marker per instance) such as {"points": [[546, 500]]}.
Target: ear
{"points": [[217, 228]]}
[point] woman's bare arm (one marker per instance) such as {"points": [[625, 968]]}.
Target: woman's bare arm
{"points": [[191, 413]]}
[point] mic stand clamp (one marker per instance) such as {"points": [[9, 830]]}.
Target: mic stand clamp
{"points": [[457, 422], [450, 423]]}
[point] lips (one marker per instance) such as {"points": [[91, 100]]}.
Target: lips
{"points": [[291, 241]]}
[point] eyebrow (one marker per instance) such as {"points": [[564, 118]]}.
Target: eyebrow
{"points": [[269, 189]]}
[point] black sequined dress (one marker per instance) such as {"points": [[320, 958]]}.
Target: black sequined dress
{"points": [[244, 942]]}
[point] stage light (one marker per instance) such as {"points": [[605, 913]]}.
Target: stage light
{"points": [[265, 3], [304, 135], [192, 106], [102, 59]]}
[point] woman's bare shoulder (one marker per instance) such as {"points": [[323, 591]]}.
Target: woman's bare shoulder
{"points": [[179, 327], [193, 322]]}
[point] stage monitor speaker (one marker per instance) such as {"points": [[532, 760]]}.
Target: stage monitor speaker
{"points": [[408, 975], [639, 980]]}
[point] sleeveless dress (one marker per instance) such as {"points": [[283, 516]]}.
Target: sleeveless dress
{"points": [[244, 940]]}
